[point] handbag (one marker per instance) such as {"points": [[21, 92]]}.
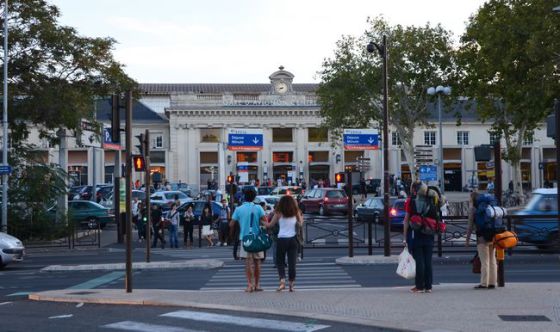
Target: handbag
{"points": [[256, 242], [476, 266], [407, 265]]}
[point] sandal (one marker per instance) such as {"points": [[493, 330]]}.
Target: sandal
{"points": [[282, 285], [291, 286], [249, 289]]}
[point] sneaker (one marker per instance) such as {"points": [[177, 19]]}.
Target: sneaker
{"points": [[416, 290]]}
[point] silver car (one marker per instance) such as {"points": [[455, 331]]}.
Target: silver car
{"points": [[11, 249]]}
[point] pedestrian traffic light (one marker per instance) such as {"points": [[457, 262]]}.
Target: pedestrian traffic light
{"points": [[140, 147], [230, 179], [139, 163], [115, 120], [340, 177]]}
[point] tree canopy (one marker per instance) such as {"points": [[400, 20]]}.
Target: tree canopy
{"points": [[53, 72], [508, 62], [351, 86]]}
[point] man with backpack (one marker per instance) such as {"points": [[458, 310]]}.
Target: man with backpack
{"points": [[486, 219], [422, 220]]}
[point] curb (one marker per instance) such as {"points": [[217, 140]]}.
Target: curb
{"points": [[386, 325], [202, 264]]}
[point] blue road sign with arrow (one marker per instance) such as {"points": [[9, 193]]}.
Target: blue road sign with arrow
{"points": [[361, 139], [245, 139], [427, 173], [5, 169]]}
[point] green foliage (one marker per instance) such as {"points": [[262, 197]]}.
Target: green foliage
{"points": [[54, 73], [351, 88], [509, 65]]}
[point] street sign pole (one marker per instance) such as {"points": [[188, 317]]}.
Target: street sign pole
{"points": [[350, 226], [128, 279], [147, 185]]}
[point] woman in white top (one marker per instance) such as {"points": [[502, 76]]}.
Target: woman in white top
{"points": [[289, 217]]}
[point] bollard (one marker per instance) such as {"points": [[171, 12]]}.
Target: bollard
{"points": [[500, 256]]}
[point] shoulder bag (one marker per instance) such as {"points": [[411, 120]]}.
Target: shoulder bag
{"points": [[256, 242]]}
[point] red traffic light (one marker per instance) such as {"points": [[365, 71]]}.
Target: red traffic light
{"points": [[340, 177], [139, 163]]}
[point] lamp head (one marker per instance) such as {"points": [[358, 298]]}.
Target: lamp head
{"points": [[431, 91], [370, 47]]}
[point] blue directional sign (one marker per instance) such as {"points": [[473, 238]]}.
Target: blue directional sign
{"points": [[427, 173], [108, 141], [5, 169], [245, 139], [361, 139]]}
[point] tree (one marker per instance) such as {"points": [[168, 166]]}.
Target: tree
{"points": [[509, 62], [53, 72], [351, 86]]}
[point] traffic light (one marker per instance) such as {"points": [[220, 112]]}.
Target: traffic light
{"points": [[230, 179], [140, 147], [115, 120], [340, 177], [139, 163]]}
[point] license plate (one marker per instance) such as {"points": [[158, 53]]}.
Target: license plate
{"points": [[340, 206]]}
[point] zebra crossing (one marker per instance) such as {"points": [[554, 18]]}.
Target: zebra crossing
{"points": [[308, 276], [176, 320]]}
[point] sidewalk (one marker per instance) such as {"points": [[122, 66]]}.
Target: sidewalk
{"points": [[451, 307]]}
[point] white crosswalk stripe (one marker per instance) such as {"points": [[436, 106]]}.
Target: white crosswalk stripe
{"points": [[308, 276], [128, 325]]}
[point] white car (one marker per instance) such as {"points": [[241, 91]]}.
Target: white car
{"points": [[269, 200], [11, 249], [166, 197]]}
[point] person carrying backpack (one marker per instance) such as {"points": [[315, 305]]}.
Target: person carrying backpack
{"points": [[422, 204], [485, 225]]}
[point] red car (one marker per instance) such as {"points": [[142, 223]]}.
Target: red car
{"points": [[324, 201]]}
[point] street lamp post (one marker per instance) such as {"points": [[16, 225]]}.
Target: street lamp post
{"points": [[382, 50], [433, 91], [4, 224]]}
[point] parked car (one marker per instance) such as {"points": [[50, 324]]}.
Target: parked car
{"points": [[262, 190], [541, 231], [324, 201], [185, 188], [11, 249], [288, 190], [373, 209], [168, 197], [396, 213], [74, 192], [87, 213], [86, 191], [269, 200]]}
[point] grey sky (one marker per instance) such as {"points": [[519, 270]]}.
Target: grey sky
{"points": [[241, 41]]}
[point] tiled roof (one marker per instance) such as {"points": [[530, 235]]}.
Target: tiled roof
{"points": [[165, 88], [140, 112]]}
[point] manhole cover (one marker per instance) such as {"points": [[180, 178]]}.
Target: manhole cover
{"points": [[524, 318], [81, 293]]}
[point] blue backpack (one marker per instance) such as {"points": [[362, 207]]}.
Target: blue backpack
{"points": [[488, 217]]}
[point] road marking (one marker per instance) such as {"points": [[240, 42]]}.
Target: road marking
{"points": [[61, 316], [244, 321], [19, 294], [239, 288], [142, 327], [104, 279], [4, 303], [79, 305]]}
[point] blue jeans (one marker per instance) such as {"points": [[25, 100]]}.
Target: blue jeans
{"points": [[422, 253], [173, 243]]}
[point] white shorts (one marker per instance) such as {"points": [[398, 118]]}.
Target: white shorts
{"points": [[206, 230], [244, 254]]}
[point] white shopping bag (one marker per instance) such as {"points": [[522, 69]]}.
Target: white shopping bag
{"points": [[407, 265]]}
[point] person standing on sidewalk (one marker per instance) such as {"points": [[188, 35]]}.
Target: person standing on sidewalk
{"points": [[223, 224], [174, 217], [206, 220], [289, 217], [486, 250], [188, 227], [243, 215], [157, 226], [422, 244]]}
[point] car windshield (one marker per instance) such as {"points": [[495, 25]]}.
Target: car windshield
{"points": [[543, 203], [172, 195], [336, 194]]}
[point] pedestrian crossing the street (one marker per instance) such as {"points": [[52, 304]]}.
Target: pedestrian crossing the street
{"points": [[181, 317], [308, 276]]}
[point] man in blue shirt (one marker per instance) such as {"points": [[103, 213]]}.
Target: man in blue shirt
{"points": [[243, 215]]}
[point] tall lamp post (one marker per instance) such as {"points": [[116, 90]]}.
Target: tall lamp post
{"points": [[382, 50], [439, 90], [4, 223]]}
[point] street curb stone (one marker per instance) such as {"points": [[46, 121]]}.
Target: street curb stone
{"points": [[203, 264]]}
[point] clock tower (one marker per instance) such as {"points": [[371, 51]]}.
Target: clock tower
{"points": [[281, 81]]}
